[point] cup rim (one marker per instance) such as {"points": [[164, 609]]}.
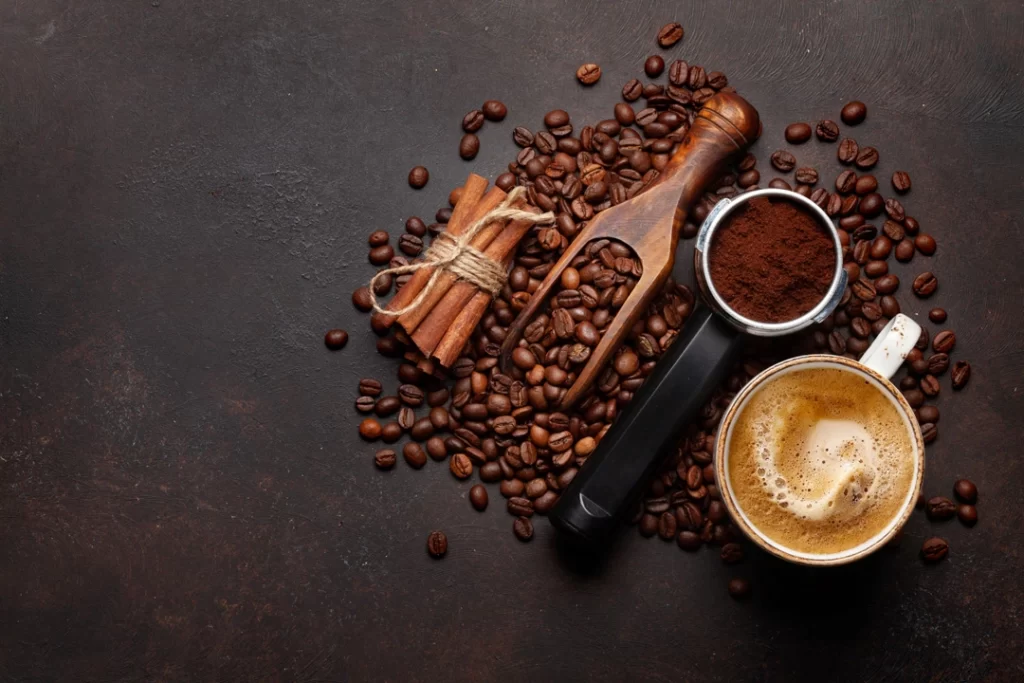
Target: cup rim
{"points": [[760, 538]]}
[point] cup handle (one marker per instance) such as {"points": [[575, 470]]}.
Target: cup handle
{"points": [[892, 346]]}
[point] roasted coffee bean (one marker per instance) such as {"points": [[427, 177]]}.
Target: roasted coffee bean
{"points": [[410, 244], [522, 527], [901, 181], [478, 498], [436, 448], [381, 255], [385, 459], [469, 145], [922, 342], [494, 110], [588, 74], [887, 284], [632, 90], [670, 34], [866, 184], [937, 315], [648, 525], [361, 299], [688, 540], [667, 526], [387, 405], [944, 341], [336, 339], [934, 549], [904, 251], [411, 395], [732, 553], [925, 284], [654, 66], [520, 507], [938, 364], [894, 209], [418, 177], [940, 508], [961, 373], [783, 161], [365, 404], [414, 455], [911, 225], [437, 544], [929, 432], [871, 205], [876, 268], [460, 465], [798, 133], [739, 588], [867, 157], [926, 414], [406, 418], [966, 491], [967, 514], [893, 230], [847, 151], [522, 136], [422, 429], [925, 244], [827, 131], [378, 238], [806, 175], [853, 113], [846, 182], [391, 432], [473, 121], [930, 385]]}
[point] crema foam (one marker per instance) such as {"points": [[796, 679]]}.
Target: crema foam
{"points": [[820, 460]]}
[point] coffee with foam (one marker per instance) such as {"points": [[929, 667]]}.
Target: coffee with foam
{"points": [[820, 460]]}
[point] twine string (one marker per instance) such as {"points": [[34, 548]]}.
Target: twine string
{"points": [[457, 256]]}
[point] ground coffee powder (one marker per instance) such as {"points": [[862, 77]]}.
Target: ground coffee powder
{"points": [[771, 261]]}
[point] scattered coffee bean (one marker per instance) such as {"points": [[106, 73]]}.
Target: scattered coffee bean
{"points": [[494, 110], [469, 146], [418, 177], [944, 341], [937, 315], [934, 549], [847, 151], [866, 158], [370, 429], [827, 131], [414, 455], [522, 527], [461, 466], [670, 34], [391, 432], [904, 251], [967, 514], [940, 508], [925, 284], [739, 588], [632, 90], [732, 553], [901, 182], [437, 544], [654, 66], [384, 459], [588, 74], [783, 161], [473, 121], [853, 113], [365, 404], [925, 244], [966, 491], [336, 339], [798, 133], [961, 373]]}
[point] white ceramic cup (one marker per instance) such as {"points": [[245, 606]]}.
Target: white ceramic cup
{"points": [[880, 362]]}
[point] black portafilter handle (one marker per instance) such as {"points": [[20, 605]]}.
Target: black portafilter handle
{"points": [[591, 509]]}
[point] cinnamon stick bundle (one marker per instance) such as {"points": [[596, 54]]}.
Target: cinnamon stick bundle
{"points": [[440, 320]]}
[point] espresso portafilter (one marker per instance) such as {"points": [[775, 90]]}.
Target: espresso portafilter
{"points": [[592, 507]]}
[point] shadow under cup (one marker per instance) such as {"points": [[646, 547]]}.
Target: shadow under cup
{"points": [[734, 506]]}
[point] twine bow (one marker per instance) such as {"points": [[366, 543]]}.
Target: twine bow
{"points": [[456, 255]]}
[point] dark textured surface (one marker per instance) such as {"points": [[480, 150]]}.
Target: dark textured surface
{"points": [[185, 191]]}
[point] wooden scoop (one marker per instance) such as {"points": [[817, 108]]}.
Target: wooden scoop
{"points": [[649, 223]]}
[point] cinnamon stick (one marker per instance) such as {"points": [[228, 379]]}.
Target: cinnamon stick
{"points": [[463, 215], [447, 316], [450, 347], [410, 321]]}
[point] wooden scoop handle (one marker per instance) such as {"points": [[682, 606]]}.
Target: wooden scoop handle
{"points": [[650, 222]]}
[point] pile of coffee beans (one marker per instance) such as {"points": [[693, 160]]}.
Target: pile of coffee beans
{"points": [[506, 428]]}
